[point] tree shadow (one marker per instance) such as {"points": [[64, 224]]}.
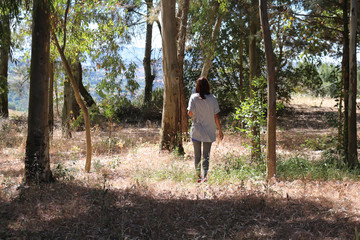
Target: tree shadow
{"points": [[73, 211], [309, 118]]}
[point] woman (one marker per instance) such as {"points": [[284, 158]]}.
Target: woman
{"points": [[203, 108]]}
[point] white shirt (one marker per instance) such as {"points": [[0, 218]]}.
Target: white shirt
{"points": [[203, 128]]}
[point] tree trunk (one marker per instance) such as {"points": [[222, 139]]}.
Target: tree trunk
{"points": [[352, 133], [56, 95], [4, 62], [37, 160], [254, 72], [79, 101], [209, 53], [241, 70], [345, 78], [75, 108], [149, 77], [183, 11], [84, 93], [51, 98], [271, 113], [170, 126], [66, 116]]}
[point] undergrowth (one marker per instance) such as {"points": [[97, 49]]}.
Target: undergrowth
{"points": [[329, 167]]}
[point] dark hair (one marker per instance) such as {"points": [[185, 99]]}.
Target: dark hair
{"points": [[202, 87]]}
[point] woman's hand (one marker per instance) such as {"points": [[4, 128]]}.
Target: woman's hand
{"points": [[221, 135]]}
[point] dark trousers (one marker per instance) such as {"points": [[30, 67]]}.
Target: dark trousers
{"points": [[206, 156]]}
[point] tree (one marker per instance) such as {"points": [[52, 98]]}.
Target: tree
{"points": [[79, 101], [171, 123], [51, 96], [345, 78], [271, 113], [254, 72], [9, 10], [210, 44], [182, 16], [4, 59], [37, 159], [149, 77], [352, 130]]}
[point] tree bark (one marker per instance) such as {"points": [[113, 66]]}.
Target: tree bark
{"points": [[67, 104], [352, 130], [345, 78], [209, 53], [149, 77], [75, 108], [170, 126], [271, 113], [51, 97], [79, 101], [4, 62], [90, 102], [183, 12], [254, 72], [37, 160]]}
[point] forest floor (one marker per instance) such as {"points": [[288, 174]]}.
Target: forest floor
{"points": [[135, 191]]}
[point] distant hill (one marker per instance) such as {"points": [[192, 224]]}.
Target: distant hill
{"points": [[19, 82]]}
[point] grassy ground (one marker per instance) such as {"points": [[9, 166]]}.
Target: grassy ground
{"points": [[135, 191]]}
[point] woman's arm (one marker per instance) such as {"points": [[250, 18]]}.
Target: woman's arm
{"points": [[217, 121]]}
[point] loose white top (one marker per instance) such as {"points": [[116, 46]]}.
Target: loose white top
{"points": [[203, 127]]}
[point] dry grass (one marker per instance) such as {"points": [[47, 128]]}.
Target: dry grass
{"points": [[135, 191]]}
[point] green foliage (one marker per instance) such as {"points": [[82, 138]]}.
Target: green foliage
{"points": [[113, 96], [329, 167], [317, 143], [175, 172], [236, 168], [251, 114], [331, 78], [62, 172]]}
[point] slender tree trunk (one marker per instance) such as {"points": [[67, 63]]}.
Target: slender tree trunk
{"points": [[56, 95], [4, 62], [254, 73], [241, 71], [271, 113], [345, 77], [352, 133], [170, 126], [79, 101], [51, 98], [209, 53], [37, 159], [183, 11], [75, 108], [90, 102], [66, 116], [149, 77]]}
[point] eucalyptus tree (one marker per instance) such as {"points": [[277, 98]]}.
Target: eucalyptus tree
{"points": [[182, 17], [9, 10], [4, 59], [352, 148], [37, 159], [93, 30], [171, 118], [271, 94], [331, 21], [151, 17]]}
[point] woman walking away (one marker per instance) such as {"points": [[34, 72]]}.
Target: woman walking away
{"points": [[203, 108]]}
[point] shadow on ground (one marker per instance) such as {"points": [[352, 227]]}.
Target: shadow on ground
{"points": [[307, 118], [69, 211]]}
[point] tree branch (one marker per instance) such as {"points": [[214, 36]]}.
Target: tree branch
{"points": [[65, 23]]}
